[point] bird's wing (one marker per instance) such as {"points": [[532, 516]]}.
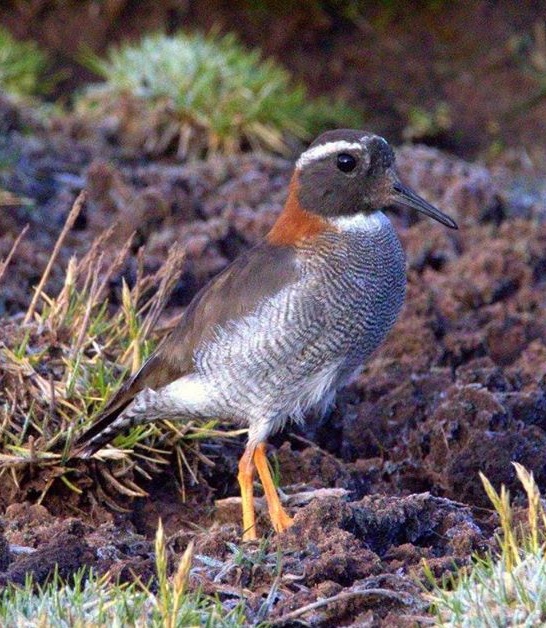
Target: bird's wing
{"points": [[254, 276]]}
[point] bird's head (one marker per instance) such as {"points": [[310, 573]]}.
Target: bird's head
{"points": [[346, 172]]}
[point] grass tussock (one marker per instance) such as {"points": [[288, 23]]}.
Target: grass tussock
{"points": [[89, 600], [507, 588], [203, 95], [60, 364], [23, 67]]}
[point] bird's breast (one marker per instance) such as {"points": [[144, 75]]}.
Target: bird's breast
{"points": [[361, 275], [299, 345]]}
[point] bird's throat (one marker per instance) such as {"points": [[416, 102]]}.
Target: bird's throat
{"points": [[295, 224]]}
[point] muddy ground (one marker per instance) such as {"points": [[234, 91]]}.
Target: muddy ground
{"points": [[458, 387]]}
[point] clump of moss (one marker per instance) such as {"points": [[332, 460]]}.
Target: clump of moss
{"points": [[202, 95], [22, 66]]}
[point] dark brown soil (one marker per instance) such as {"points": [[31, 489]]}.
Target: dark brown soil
{"points": [[458, 387]]}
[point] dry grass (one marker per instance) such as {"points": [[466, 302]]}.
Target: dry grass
{"points": [[507, 588], [60, 364]]}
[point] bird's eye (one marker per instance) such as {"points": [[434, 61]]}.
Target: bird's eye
{"points": [[346, 162]]}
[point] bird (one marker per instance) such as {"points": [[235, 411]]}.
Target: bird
{"points": [[290, 321]]}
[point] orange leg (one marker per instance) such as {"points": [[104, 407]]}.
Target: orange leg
{"points": [[279, 518], [246, 478]]}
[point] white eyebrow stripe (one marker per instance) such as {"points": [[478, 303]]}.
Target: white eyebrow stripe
{"points": [[323, 150]]}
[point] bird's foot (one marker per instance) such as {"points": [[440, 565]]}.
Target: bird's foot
{"points": [[250, 534], [281, 520]]}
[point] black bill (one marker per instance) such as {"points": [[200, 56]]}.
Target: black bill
{"points": [[407, 197]]}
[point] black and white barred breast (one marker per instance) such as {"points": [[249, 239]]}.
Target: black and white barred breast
{"points": [[312, 336]]}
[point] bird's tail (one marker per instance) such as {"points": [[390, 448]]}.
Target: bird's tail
{"points": [[137, 403], [111, 423], [124, 409]]}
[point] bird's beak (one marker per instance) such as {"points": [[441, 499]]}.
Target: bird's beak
{"points": [[408, 198]]}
